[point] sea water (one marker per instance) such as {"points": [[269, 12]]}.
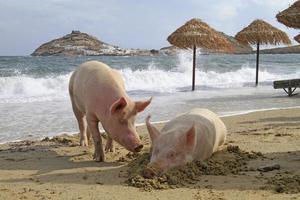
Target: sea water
{"points": [[34, 99]]}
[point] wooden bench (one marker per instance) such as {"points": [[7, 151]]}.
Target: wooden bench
{"points": [[289, 86]]}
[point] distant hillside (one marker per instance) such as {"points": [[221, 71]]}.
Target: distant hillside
{"points": [[282, 50], [78, 43], [238, 48]]}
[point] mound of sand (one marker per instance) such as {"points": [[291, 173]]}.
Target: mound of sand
{"points": [[231, 160]]}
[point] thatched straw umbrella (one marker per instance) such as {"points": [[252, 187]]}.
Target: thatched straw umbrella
{"points": [[260, 32], [290, 16], [297, 38], [196, 33]]}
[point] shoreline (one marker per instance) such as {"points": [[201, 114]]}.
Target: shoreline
{"points": [[240, 113], [258, 110]]}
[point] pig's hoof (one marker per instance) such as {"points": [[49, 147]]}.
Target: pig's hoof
{"points": [[84, 143], [99, 158], [109, 148]]}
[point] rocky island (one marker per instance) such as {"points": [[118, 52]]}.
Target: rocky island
{"points": [[282, 50], [77, 43]]}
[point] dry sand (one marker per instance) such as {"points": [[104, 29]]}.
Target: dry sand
{"points": [[60, 169]]}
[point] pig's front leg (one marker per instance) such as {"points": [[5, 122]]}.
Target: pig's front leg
{"points": [[88, 135], [109, 147], [94, 130]]}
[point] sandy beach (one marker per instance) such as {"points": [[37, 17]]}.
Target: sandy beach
{"points": [[60, 169], [67, 65]]}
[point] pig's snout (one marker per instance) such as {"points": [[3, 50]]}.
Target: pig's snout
{"points": [[153, 169], [138, 148], [132, 142], [149, 172]]}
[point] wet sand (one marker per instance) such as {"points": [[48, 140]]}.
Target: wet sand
{"points": [[261, 160]]}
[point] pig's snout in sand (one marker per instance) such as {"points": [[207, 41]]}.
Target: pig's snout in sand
{"points": [[138, 148], [149, 172]]}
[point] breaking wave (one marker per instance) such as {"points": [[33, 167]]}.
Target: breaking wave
{"points": [[23, 88]]}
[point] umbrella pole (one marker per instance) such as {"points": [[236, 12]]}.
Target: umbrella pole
{"points": [[194, 67], [257, 63]]}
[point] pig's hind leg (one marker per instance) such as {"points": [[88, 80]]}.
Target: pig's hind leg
{"points": [[93, 125], [82, 124]]}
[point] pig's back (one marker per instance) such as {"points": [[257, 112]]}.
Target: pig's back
{"points": [[94, 71], [210, 130], [220, 128], [215, 119], [92, 82]]}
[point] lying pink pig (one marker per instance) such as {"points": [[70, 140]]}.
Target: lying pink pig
{"points": [[195, 135], [98, 94]]}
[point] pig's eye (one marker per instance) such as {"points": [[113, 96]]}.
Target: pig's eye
{"points": [[171, 155]]}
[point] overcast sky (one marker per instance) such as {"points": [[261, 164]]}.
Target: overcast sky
{"points": [[26, 24]]}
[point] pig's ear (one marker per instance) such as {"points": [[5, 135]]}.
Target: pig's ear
{"points": [[190, 137], [141, 105], [153, 132], [118, 105]]}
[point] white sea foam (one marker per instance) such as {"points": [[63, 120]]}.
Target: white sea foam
{"points": [[28, 89], [156, 79], [23, 88]]}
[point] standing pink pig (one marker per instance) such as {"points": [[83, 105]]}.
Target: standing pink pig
{"points": [[98, 94], [190, 136]]}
